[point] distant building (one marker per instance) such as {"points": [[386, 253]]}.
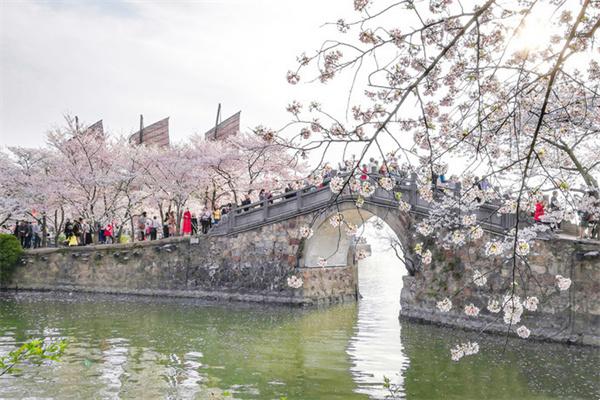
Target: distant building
{"points": [[229, 127], [156, 134]]}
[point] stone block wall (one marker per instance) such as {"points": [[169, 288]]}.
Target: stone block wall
{"points": [[331, 284], [248, 266], [566, 316]]}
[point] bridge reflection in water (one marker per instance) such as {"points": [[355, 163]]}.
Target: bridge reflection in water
{"points": [[376, 350]]}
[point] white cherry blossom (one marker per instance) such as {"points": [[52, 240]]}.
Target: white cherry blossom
{"points": [[306, 232], [444, 305], [523, 332], [471, 310], [563, 283], [295, 282]]}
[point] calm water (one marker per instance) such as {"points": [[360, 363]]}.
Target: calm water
{"points": [[146, 348]]}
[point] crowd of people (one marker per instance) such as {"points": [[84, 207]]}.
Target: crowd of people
{"points": [[189, 224], [547, 210], [79, 232], [29, 234]]}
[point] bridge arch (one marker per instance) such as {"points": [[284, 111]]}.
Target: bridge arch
{"points": [[333, 244]]}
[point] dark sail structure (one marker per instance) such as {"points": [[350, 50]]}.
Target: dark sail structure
{"points": [[156, 134], [226, 128]]}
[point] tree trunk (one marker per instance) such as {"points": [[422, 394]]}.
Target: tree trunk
{"points": [[587, 177], [160, 211], [132, 229], [44, 230], [178, 213], [5, 219], [58, 225]]}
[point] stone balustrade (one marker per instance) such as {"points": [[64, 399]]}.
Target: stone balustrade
{"points": [[307, 200]]}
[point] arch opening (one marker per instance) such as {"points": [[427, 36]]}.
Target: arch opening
{"points": [[335, 243]]}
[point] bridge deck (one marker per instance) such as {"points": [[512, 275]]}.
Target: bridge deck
{"points": [[308, 200]]}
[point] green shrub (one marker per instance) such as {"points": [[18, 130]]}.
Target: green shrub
{"points": [[10, 252]]}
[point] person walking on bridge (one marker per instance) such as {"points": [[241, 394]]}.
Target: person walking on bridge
{"points": [[539, 210], [364, 176], [288, 191], [246, 201]]}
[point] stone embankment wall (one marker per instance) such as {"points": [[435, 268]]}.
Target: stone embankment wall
{"points": [[249, 266], [566, 316]]}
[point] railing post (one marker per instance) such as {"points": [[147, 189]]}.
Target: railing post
{"points": [[265, 209], [457, 188], [299, 199], [413, 189], [232, 213]]}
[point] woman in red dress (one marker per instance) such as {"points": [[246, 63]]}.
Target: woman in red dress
{"points": [[187, 222], [539, 211], [364, 171], [108, 234]]}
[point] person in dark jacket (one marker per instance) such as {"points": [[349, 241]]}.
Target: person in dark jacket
{"points": [[28, 235], [68, 229], [22, 232], [100, 228], [166, 227], [194, 224], [289, 191], [246, 202]]}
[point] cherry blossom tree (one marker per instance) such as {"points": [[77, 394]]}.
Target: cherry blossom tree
{"points": [[175, 175], [31, 175], [246, 163], [81, 169], [9, 199], [104, 179], [502, 94]]}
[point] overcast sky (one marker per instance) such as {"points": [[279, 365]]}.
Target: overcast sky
{"points": [[114, 60]]}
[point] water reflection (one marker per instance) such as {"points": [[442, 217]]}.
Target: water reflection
{"points": [[127, 347], [134, 347], [520, 370], [376, 349], [113, 362]]}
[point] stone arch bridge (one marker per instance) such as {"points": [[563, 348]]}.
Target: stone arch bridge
{"points": [[250, 254], [315, 206]]}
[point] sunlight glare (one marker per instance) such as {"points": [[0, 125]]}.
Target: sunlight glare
{"points": [[534, 34]]}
